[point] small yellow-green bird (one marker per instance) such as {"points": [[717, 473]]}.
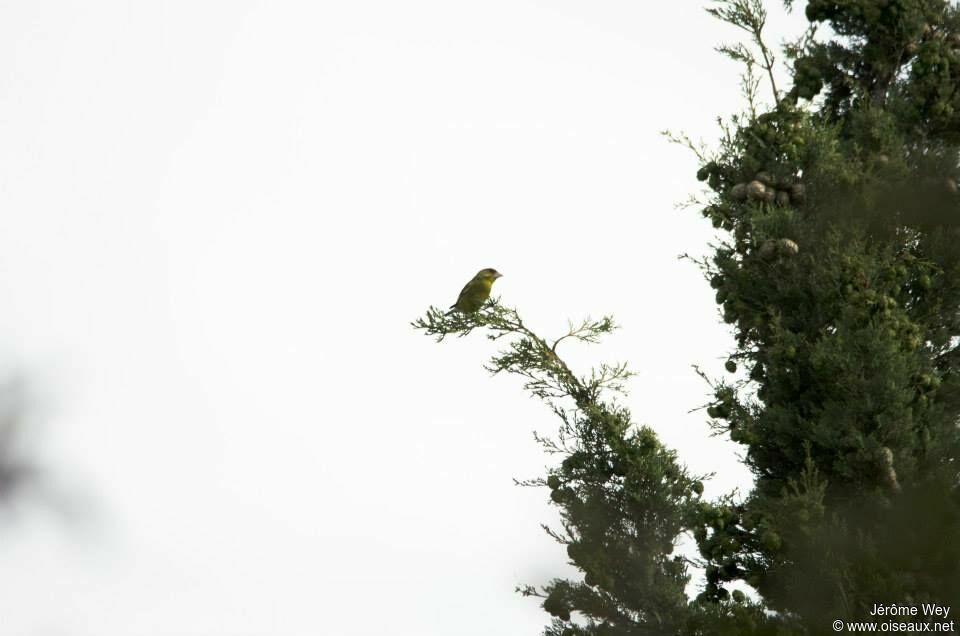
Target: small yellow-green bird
{"points": [[477, 291]]}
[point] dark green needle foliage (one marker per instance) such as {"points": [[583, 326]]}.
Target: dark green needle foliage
{"points": [[623, 497], [840, 275], [838, 270]]}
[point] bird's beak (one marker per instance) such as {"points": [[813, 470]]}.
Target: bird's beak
{"points": [[499, 275]]}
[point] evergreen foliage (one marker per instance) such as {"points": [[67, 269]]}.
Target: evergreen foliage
{"points": [[623, 497], [839, 273]]}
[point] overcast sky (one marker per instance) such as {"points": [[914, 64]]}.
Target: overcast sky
{"points": [[219, 219]]}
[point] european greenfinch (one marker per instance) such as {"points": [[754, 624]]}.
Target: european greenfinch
{"points": [[477, 291]]}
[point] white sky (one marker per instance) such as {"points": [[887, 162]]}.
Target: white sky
{"points": [[219, 220]]}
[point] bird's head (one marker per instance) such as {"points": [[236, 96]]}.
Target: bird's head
{"points": [[489, 274]]}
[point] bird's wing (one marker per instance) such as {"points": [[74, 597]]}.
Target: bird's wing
{"points": [[463, 293]]}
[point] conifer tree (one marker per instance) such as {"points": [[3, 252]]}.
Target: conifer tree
{"points": [[839, 272], [840, 278]]}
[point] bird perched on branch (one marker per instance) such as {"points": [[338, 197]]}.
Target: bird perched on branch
{"points": [[476, 292]]}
